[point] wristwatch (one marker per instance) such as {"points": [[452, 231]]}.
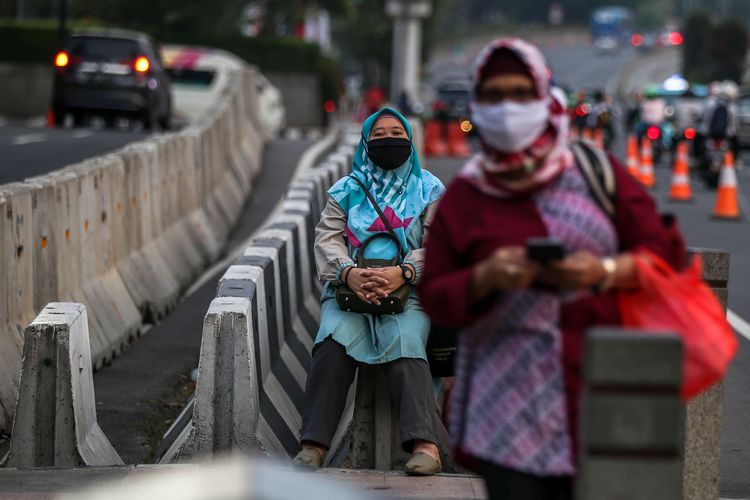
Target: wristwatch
{"points": [[407, 273], [609, 264]]}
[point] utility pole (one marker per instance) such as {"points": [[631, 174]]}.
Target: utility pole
{"points": [[62, 19], [407, 44]]}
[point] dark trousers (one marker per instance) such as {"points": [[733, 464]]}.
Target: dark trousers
{"points": [[507, 484], [332, 372]]}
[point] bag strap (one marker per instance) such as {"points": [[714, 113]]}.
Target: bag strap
{"points": [[382, 216], [599, 174]]}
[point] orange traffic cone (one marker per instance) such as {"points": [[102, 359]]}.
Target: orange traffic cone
{"points": [[727, 205], [586, 135], [632, 159], [458, 145], [647, 164], [599, 138], [680, 190], [434, 144]]}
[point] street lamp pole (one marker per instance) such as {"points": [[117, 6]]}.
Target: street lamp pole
{"points": [[62, 19], [407, 44]]}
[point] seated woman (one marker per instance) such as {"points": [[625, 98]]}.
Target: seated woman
{"points": [[386, 163]]}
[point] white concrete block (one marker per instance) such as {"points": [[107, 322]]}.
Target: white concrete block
{"points": [[55, 419]]}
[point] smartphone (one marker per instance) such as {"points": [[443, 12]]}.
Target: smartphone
{"points": [[544, 250]]}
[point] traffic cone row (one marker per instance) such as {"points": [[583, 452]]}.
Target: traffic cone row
{"points": [[647, 177], [632, 159], [599, 138], [434, 145], [680, 189], [727, 203], [444, 139]]}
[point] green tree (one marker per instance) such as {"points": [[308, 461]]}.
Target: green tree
{"points": [[728, 51], [714, 52], [697, 32]]}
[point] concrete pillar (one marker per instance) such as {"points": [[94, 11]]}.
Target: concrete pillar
{"points": [[407, 44], [703, 420], [55, 420], [631, 437]]}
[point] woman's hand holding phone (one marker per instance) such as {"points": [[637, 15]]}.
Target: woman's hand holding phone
{"points": [[579, 270]]}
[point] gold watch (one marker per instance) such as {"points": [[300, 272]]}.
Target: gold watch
{"points": [[609, 264]]}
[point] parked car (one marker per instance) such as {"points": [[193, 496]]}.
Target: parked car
{"points": [[200, 75], [743, 130], [112, 74], [455, 93]]}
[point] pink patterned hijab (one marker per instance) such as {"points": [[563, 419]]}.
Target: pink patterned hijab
{"points": [[547, 156]]}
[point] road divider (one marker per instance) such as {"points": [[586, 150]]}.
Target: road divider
{"points": [[55, 419], [258, 335], [127, 232]]}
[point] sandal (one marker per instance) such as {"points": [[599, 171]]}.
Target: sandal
{"points": [[422, 464], [309, 458]]}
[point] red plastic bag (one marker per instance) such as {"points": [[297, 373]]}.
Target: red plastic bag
{"points": [[681, 302]]}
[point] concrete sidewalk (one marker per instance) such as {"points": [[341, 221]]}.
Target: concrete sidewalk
{"points": [[39, 484]]}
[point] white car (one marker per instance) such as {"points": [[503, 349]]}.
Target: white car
{"points": [[272, 111], [200, 75]]}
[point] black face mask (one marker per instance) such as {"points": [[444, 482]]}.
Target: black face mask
{"points": [[389, 153]]}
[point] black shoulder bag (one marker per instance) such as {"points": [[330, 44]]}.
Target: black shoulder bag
{"points": [[396, 301]]}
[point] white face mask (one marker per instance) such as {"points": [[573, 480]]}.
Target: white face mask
{"points": [[511, 127]]}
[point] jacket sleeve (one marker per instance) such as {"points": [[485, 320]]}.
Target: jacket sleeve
{"points": [[416, 256], [331, 252]]}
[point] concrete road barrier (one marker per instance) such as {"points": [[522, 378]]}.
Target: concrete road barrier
{"points": [[272, 292], [631, 432], [55, 418], [127, 232]]}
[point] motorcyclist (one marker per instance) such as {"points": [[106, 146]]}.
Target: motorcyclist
{"points": [[581, 111], [633, 117], [601, 116], [653, 114], [720, 115]]}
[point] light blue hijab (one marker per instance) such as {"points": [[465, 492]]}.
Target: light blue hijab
{"points": [[402, 194]]}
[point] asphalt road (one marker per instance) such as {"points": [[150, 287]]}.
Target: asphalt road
{"points": [[31, 150], [575, 65]]}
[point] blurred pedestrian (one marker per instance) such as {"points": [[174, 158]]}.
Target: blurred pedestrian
{"points": [[387, 198], [404, 104], [518, 373]]}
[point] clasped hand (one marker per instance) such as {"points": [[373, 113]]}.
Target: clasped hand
{"points": [[373, 284]]}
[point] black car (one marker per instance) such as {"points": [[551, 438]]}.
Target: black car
{"points": [[112, 74], [456, 94]]}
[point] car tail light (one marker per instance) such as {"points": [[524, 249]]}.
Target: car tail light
{"points": [[690, 133], [636, 40], [142, 64], [675, 38], [653, 133], [62, 59]]}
